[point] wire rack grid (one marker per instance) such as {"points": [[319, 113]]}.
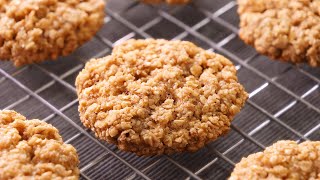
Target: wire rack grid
{"points": [[283, 102]]}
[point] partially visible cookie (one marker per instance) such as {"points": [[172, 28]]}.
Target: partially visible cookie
{"points": [[282, 160], [287, 30], [36, 30], [159, 97], [167, 1], [32, 149]]}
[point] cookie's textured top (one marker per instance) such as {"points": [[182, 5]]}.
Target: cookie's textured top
{"points": [[282, 160], [167, 1], [157, 96], [288, 29], [36, 30], [32, 149]]}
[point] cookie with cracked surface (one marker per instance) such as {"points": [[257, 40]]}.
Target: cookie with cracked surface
{"points": [[287, 30], [282, 160], [33, 149], [35, 30], [156, 96], [167, 1]]}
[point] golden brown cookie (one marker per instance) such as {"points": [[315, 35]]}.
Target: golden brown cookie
{"points": [[35, 30], [33, 149], [167, 1], [282, 160], [157, 96], [287, 30]]}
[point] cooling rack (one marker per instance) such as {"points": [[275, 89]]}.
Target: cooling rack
{"points": [[283, 104]]}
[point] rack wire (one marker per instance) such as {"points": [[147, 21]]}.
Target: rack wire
{"points": [[283, 102]]}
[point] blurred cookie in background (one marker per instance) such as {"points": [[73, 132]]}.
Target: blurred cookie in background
{"points": [[36, 30], [287, 30], [282, 160], [33, 149]]}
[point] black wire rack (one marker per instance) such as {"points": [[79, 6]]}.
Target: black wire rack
{"points": [[284, 99]]}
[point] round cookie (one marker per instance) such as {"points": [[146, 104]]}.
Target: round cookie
{"points": [[287, 30], [35, 30], [282, 160], [167, 1], [33, 149], [157, 96]]}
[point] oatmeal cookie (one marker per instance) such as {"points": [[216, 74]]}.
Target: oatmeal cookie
{"points": [[32, 31], [282, 160], [33, 149], [157, 96], [167, 1], [288, 30]]}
